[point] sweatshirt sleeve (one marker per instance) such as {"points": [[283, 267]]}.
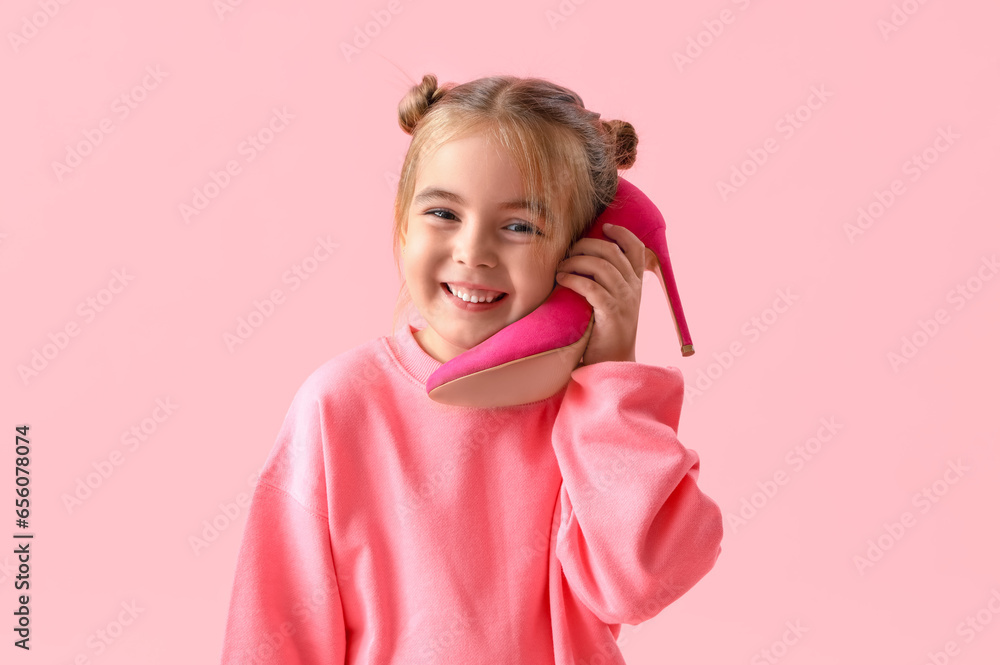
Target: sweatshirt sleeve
{"points": [[635, 531], [285, 603]]}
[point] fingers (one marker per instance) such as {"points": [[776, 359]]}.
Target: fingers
{"points": [[623, 250]]}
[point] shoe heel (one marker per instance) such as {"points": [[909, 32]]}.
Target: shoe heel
{"points": [[669, 285], [639, 214]]}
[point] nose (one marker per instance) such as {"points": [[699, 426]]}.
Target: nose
{"points": [[473, 247]]}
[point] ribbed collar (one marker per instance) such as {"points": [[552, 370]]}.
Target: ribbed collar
{"points": [[412, 356]]}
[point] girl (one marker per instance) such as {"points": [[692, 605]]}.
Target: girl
{"points": [[389, 528]]}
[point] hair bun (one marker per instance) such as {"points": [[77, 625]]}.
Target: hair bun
{"points": [[624, 141], [416, 102]]}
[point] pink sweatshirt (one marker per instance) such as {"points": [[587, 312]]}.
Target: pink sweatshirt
{"points": [[388, 528]]}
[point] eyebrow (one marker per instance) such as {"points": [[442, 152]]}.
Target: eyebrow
{"points": [[432, 193]]}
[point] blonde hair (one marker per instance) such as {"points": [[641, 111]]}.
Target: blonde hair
{"points": [[567, 156]]}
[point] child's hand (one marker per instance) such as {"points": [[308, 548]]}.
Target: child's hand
{"points": [[614, 292]]}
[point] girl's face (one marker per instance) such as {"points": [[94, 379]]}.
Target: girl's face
{"points": [[468, 223]]}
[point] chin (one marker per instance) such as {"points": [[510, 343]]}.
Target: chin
{"points": [[465, 340]]}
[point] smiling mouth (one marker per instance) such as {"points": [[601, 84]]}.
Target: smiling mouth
{"points": [[447, 288]]}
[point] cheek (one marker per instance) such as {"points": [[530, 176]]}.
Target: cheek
{"points": [[424, 247], [418, 267], [538, 287]]}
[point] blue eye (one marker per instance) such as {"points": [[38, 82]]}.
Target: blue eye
{"points": [[530, 229], [527, 228]]}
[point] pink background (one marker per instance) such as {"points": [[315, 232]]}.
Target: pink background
{"points": [[846, 547]]}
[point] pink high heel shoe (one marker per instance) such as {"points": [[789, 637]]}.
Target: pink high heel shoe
{"points": [[532, 358]]}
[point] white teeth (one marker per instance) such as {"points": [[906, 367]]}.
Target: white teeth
{"points": [[472, 298]]}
